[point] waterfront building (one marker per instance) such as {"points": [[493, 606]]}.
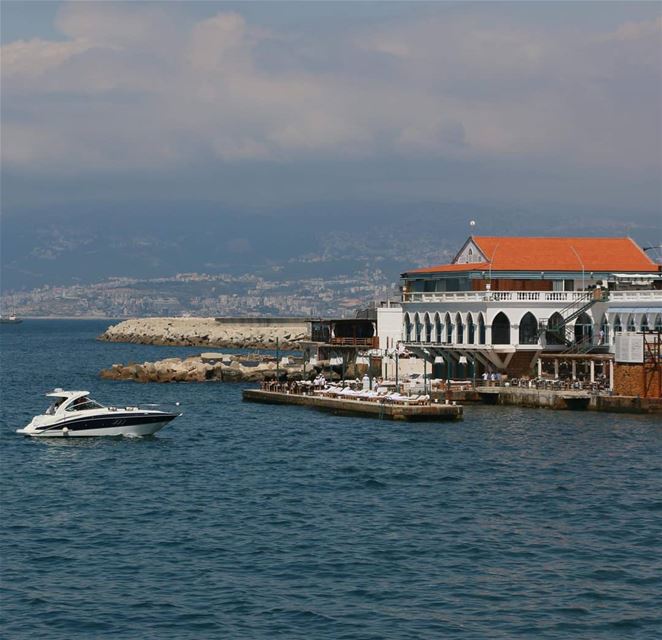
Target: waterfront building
{"points": [[344, 344], [523, 306]]}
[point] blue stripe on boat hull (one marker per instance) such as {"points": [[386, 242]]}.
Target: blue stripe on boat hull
{"points": [[109, 422]]}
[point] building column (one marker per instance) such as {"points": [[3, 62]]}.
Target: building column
{"points": [[592, 365], [574, 369], [488, 334], [556, 368], [540, 367], [611, 375]]}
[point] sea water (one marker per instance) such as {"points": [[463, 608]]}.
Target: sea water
{"points": [[242, 520]]}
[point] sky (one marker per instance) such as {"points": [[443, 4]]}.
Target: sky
{"points": [[266, 105]]}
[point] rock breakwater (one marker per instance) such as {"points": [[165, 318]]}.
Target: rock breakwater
{"points": [[209, 367], [256, 333]]}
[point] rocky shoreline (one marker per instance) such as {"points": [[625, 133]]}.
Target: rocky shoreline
{"points": [[210, 367], [195, 332]]}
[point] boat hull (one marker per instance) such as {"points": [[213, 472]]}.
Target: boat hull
{"points": [[96, 427]]}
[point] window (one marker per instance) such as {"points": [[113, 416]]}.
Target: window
{"points": [[438, 328], [501, 329], [481, 329], [583, 329], [428, 328], [528, 329], [459, 339], [471, 329], [83, 404]]}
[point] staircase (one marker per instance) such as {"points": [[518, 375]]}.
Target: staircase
{"points": [[564, 331], [521, 364], [583, 346]]}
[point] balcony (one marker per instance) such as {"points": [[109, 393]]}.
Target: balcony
{"points": [[503, 296], [648, 295], [370, 343]]}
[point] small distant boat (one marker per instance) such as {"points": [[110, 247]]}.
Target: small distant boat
{"points": [[12, 319], [75, 414]]}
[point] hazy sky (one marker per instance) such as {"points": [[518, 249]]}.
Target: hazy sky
{"points": [[274, 103]]}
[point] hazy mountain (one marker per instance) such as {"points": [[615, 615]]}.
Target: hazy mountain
{"points": [[89, 242]]}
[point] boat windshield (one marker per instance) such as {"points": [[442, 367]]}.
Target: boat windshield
{"points": [[84, 404], [54, 407]]}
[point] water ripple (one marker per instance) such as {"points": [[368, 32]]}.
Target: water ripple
{"points": [[249, 521]]}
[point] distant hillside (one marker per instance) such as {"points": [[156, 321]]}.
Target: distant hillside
{"points": [[94, 241]]}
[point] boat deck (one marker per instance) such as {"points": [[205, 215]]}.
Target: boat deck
{"points": [[376, 409]]}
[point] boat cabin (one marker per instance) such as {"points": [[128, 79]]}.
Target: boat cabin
{"points": [[70, 401]]}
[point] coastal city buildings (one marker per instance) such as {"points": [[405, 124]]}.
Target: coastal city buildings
{"points": [[206, 295], [524, 306]]}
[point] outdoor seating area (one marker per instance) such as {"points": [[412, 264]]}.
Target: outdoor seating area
{"points": [[599, 385], [381, 392]]}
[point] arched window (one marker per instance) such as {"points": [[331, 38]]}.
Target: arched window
{"points": [[555, 333], [407, 328], [449, 329], [604, 330], [471, 329], [528, 329], [481, 329], [438, 328], [417, 328], [618, 326], [428, 328], [501, 329], [631, 324], [459, 339], [644, 323], [658, 322], [583, 328]]}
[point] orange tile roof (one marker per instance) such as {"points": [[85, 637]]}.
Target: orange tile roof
{"points": [[555, 254], [452, 267]]}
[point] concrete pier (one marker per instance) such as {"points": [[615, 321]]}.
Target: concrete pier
{"points": [[378, 409], [566, 399]]}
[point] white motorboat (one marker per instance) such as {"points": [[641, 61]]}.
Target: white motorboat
{"points": [[75, 414]]}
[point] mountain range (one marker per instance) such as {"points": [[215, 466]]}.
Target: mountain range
{"points": [[91, 241]]}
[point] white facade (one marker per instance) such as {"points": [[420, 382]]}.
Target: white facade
{"points": [[389, 326], [492, 326]]}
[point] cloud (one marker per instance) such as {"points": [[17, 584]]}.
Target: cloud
{"points": [[29, 59], [140, 87]]}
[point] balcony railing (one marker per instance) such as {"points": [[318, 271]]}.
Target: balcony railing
{"points": [[628, 296], [498, 296], [372, 343], [528, 296]]}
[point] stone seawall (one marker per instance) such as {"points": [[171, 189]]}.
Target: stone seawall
{"points": [[213, 367], [574, 400], [248, 334]]}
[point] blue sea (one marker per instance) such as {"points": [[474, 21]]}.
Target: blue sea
{"points": [[251, 521]]}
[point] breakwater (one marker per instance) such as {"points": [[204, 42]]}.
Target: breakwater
{"points": [[246, 333], [208, 367]]}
